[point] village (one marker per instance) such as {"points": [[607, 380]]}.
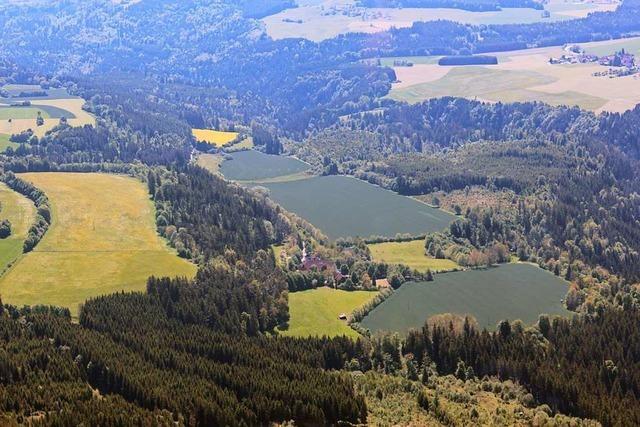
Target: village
{"points": [[620, 63]]}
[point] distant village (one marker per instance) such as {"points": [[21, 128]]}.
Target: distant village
{"points": [[620, 63]]}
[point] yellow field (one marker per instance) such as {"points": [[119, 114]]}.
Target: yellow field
{"points": [[20, 212], [102, 240], [410, 254], [72, 105], [214, 137], [525, 75], [315, 312]]}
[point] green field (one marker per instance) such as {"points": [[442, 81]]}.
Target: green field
{"points": [[342, 206], [631, 45], [315, 312], [102, 240], [253, 165], [411, 254], [5, 143], [52, 93], [512, 291], [20, 212]]}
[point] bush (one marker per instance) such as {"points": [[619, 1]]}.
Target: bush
{"points": [[5, 229]]}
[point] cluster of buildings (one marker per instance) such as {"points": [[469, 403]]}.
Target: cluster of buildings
{"points": [[622, 62]]}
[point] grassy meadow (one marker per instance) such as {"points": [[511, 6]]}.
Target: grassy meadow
{"points": [[315, 312], [411, 254], [214, 137], [511, 291], [21, 212], [102, 240], [343, 206], [5, 143], [255, 166], [56, 104], [210, 162]]}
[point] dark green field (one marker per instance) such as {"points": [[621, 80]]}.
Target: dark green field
{"points": [[343, 206], [512, 291], [254, 166]]}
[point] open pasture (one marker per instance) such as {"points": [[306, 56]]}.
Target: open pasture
{"points": [[214, 137], [52, 109], [411, 254], [254, 166], [320, 20], [524, 76], [21, 212], [5, 143], [511, 291], [315, 312], [343, 206], [102, 240]]}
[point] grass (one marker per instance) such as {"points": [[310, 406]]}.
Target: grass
{"points": [[411, 254], [102, 240], [214, 137], [342, 206], [20, 212], [255, 166], [512, 291], [5, 143], [210, 162], [22, 113], [315, 312]]}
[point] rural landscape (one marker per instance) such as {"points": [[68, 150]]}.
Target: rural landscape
{"points": [[320, 212]]}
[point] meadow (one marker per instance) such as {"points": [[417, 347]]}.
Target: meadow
{"points": [[323, 19], [511, 291], [21, 212], [214, 137], [411, 254], [315, 312], [5, 143], [521, 76], [56, 104], [343, 206], [254, 166], [102, 240]]}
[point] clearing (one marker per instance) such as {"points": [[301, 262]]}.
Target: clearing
{"points": [[411, 254], [318, 20], [58, 103], [102, 240], [210, 162], [342, 206], [511, 291], [315, 312], [254, 166], [214, 137], [21, 212], [5, 143], [524, 75]]}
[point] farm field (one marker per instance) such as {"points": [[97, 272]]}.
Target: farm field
{"points": [[524, 75], [5, 143], [343, 206], [320, 20], [58, 103], [255, 166], [21, 212], [102, 240], [511, 291], [411, 254], [210, 162], [315, 312], [214, 137]]}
